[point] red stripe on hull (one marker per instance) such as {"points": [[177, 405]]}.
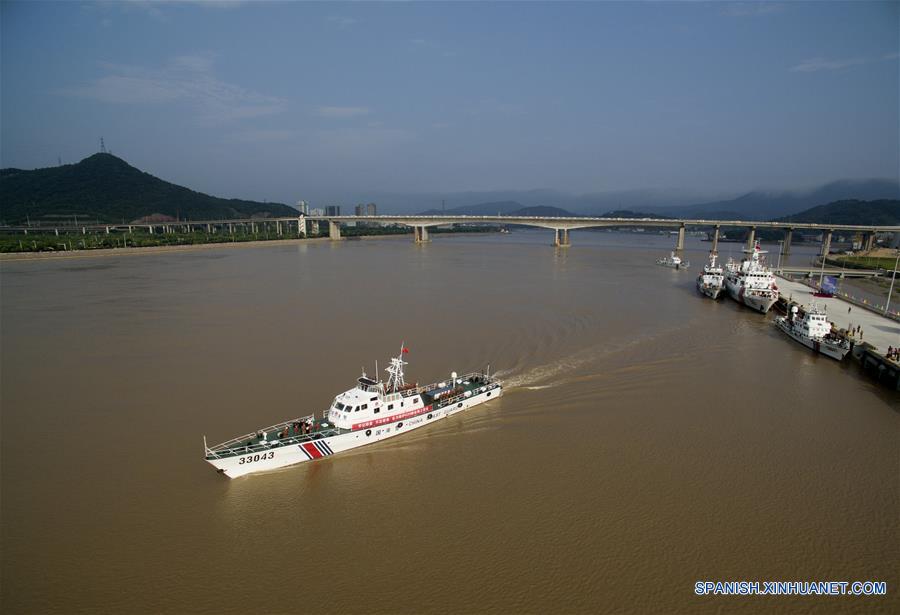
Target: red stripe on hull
{"points": [[310, 448]]}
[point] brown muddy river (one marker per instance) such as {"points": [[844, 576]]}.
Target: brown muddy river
{"points": [[648, 438]]}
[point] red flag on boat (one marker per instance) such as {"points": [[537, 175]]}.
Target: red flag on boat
{"points": [[405, 349]]}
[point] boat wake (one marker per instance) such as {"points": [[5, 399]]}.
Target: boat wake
{"points": [[566, 370]]}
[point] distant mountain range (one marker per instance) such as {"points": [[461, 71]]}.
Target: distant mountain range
{"points": [[756, 205], [501, 208], [882, 212], [849, 211], [106, 188], [770, 205]]}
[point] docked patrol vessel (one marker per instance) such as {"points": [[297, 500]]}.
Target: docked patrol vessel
{"points": [[750, 282], [369, 412], [813, 330], [711, 281]]}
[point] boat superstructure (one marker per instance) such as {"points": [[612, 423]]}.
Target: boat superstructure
{"points": [[369, 412], [674, 261], [813, 330], [750, 282], [711, 281]]}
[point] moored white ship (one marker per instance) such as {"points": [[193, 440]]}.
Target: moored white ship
{"points": [[369, 412], [750, 282], [711, 281], [674, 261], [813, 330]]}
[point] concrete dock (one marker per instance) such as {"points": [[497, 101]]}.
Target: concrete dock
{"points": [[877, 330]]}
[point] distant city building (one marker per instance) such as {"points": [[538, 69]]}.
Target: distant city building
{"points": [[370, 209], [317, 211], [360, 210], [332, 210], [303, 207]]}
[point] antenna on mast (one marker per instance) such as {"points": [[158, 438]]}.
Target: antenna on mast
{"points": [[102, 146], [396, 381]]}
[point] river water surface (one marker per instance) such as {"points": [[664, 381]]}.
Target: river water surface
{"points": [[647, 439]]}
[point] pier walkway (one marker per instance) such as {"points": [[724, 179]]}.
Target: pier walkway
{"points": [[877, 330]]}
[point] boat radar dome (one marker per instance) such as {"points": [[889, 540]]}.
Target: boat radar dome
{"points": [[453, 375]]}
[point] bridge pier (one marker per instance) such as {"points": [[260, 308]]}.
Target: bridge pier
{"points": [[679, 245], [334, 230], [751, 238], [826, 243], [278, 227], [420, 234], [786, 246], [562, 238], [715, 240], [301, 226], [869, 242]]}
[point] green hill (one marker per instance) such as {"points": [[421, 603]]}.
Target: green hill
{"points": [[877, 213], [106, 188]]}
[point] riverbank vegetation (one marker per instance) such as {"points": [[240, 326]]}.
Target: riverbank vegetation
{"points": [[74, 239]]}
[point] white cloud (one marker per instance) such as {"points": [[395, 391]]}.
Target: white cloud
{"points": [[354, 142], [342, 112], [342, 21], [818, 64], [264, 136], [186, 78], [751, 9]]}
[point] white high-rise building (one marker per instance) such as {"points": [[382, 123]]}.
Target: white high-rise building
{"points": [[303, 207]]}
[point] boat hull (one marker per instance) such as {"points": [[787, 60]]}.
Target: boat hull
{"points": [[759, 302], [829, 350], [713, 292], [284, 456]]}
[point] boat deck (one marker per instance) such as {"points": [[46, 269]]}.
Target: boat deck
{"points": [[283, 434]]}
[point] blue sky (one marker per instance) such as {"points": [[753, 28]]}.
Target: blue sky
{"points": [[332, 102]]}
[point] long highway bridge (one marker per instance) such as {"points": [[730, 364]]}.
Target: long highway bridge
{"points": [[420, 225]]}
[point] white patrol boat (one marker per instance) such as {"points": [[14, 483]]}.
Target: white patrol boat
{"points": [[674, 261], [711, 281], [750, 282], [369, 412], [814, 331]]}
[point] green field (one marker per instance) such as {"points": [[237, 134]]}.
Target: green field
{"points": [[864, 262]]}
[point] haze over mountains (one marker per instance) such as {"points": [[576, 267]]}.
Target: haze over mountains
{"points": [[756, 205], [107, 188]]}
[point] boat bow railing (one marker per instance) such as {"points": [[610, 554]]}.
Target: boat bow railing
{"points": [[239, 446]]}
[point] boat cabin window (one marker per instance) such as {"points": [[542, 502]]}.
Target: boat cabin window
{"points": [[338, 405], [373, 399], [377, 410], [365, 406], [356, 409], [390, 406]]}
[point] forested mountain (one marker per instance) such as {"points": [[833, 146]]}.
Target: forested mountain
{"points": [[106, 188]]}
